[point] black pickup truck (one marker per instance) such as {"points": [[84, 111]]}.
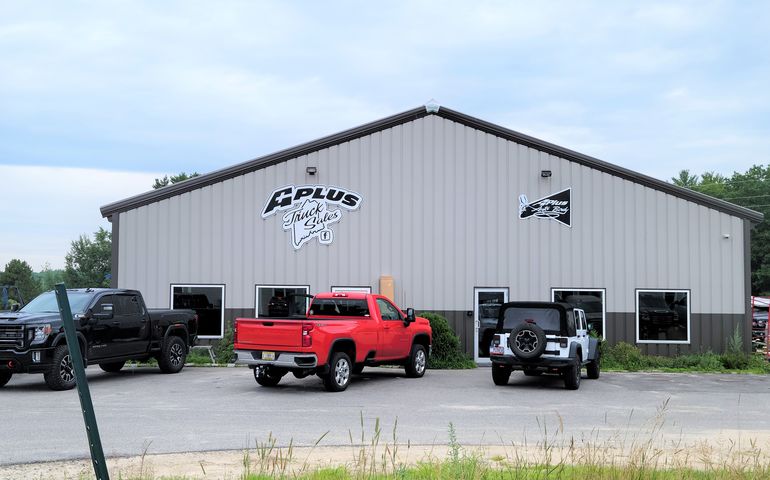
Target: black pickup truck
{"points": [[113, 326]]}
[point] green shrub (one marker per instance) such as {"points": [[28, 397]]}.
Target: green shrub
{"points": [[223, 350], [446, 345], [623, 356], [734, 357], [703, 362]]}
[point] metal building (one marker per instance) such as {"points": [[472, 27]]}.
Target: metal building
{"points": [[456, 215]]}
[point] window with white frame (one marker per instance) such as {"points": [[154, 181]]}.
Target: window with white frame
{"points": [[208, 301], [352, 289], [590, 300], [281, 300], [663, 316]]}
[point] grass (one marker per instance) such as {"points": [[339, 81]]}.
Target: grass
{"points": [[626, 357], [377, 454]]}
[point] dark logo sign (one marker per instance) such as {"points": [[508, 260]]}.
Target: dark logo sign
{"points": [[555, 207], [310, 211]]}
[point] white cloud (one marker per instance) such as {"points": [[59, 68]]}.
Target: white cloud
{"points": [[45, 208]]}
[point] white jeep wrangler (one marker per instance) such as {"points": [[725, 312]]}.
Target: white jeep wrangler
{"points": [[543, 337]]}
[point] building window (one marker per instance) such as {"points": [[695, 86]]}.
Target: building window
{"points": [[590, 300], [208, 301], [663, 316], [281, 300], [352, 289]]}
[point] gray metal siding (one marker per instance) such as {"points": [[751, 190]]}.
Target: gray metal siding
{"points": [[439, 213]]}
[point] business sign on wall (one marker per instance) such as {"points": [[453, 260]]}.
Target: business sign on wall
{"points": [[554, 207], [310, 210]]}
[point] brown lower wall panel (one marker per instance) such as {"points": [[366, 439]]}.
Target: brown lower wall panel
{"points": [[708, 332]]}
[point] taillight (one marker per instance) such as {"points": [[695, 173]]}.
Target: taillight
{"points": [[307, 340], [235, 331]]}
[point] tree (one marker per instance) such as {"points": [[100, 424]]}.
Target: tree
{"points": [[162, 182], [89, 262], [751, 190], [685, 179], [18, 272], [49, 277]]}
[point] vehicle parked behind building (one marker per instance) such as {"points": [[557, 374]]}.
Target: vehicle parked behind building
{"points": [[113, 326]]}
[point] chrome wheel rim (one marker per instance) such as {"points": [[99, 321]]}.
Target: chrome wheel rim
{"points": [[419, 361], [526, 341], [341, 372], [175, 354], [66, 371]]}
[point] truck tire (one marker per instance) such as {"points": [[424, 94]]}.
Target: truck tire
{"points": [[112, 367], [501, 374], [5, 376], [594, 366], [340, 369], [527, 341], [266, 377], [572, 375], [61, 373], [173, 355], [417, 362]]}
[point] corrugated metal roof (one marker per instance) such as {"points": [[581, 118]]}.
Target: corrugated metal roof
{"points": [[408, 116]]}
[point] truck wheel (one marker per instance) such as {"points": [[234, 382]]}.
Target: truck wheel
{"points": [[173, 355], [418, 360], [594, 366], [501, 374], [527, 341], [572, 375], [5, 376], [265, 377], [339, 372], [61, 373], [358, 368], [112, 367]]}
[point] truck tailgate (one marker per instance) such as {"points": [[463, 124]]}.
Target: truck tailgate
{"points": [[270, 332]]}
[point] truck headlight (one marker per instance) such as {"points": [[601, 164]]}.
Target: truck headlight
{"points": [[40, 334]]}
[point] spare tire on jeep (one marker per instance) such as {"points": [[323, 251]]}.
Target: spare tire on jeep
{"points": [[527, 340]]}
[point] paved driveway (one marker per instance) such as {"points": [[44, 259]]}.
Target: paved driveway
{"points": [[223, 408]]}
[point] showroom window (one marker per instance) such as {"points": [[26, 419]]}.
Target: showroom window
{"points": [[663, 316], [208, 301], [281, 300], [352, 289], [590, 300]]}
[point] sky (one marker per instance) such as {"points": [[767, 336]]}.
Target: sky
{"points": [[99, 98]]}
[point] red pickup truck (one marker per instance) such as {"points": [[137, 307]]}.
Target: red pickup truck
{"points": [[341, 333]]}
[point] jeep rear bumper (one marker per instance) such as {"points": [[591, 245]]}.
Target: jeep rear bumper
{"points": [[540, 362]]}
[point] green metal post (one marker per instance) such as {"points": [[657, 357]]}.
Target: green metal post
{"points": [[89, 416]]}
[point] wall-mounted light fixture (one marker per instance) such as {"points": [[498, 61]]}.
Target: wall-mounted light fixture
{"points": [[725, 235], [311, 170], [545, 173]]}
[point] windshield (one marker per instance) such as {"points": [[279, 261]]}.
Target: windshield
{"points": [[46, 303], [545, 318]]}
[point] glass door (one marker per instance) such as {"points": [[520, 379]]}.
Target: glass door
{"points": [[486, 306]]}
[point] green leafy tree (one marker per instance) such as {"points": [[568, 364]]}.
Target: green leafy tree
{"points": [[751, 190], [89, 262], [19, 273], [166, 180], [49, 277]]}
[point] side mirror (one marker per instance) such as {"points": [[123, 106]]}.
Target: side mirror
{"points": [[409, 316]]}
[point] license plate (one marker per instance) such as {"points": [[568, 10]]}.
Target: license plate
{"points": [[497, 350], [268, 355]]}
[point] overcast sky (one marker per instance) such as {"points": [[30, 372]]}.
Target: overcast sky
{"points": [[99, 98]]}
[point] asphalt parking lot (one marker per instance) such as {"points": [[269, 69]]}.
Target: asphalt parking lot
{"points": [[200, 409]]}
